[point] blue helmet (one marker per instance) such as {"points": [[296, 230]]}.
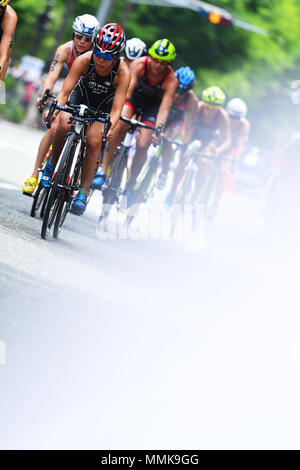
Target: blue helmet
{"points": [[186, 79]]}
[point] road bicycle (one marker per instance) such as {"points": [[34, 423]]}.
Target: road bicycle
{"points": [[147, 181], [66, 177], [184, 196], [282, 221], [41, 193], [115, 184]]}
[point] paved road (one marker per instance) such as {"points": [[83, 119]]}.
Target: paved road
{"points": [[118, 344]]}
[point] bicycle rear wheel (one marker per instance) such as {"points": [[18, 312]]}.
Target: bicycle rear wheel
{"points": [[58, 187]]}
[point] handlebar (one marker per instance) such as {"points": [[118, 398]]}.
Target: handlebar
{"points": [[216, 158], [133, 123], [44, 98], [178, 143], [80, 113]]}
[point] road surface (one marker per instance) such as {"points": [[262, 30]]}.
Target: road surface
{"points": [[143, 343]]}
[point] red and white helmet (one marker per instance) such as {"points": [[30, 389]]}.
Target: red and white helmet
{"points": [[110, 39]]}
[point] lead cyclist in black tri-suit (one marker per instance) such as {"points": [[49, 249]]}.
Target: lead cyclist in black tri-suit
{"points": [[8, 23], [98, 79]]}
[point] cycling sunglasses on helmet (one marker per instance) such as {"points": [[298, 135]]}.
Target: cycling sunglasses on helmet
{"points": [[212, 105], [100, 55], [80, 36], [181, 90], [160, 61]]}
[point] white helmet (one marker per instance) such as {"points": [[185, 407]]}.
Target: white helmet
{"points": [[85, 25], [135, 48], [237, 108]]}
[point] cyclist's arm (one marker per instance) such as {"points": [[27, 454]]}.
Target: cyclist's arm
{"points": [[122, 82], [170, 85], [79, 68], [60, 58], [225, 134], [238, 145], [136, 70], [9, 24], [190, 115]]}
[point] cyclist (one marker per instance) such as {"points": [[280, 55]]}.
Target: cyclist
{"points": [[8, 23], [100, 80], [83, 28], [134, 49], [240, 128], [283, 191], [152, 88], [210, 135], [286, 167], [184, 107]]}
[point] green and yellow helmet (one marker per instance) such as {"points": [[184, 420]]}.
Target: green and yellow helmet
{"points": [[162, 49], [213, 96]]}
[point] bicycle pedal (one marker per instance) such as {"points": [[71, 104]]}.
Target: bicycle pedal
{"points": [[27, 194]]}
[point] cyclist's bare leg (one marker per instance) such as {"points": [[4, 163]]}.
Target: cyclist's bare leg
{"points": [[221, 182], [203, 170], [118, 133], [93, 149], [167, 151], [166, 155], [44, 147], [179, 172], [143, 141], [59, 137]]}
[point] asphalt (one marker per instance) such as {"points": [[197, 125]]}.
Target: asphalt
{"points": [[143, 342]]}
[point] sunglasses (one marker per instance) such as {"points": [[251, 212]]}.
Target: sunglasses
{"points": [[86, 38], [100, 55], [181, 91], [211, 105], [159, 61]]}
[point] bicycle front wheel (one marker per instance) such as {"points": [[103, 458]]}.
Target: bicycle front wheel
{"points": [[182, 198], [112, 190], [39, 200], [68, 195], [58, 189]]}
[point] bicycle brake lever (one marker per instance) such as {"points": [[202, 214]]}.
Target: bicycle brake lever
{"points": [[158, 134], [51, 111]]}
